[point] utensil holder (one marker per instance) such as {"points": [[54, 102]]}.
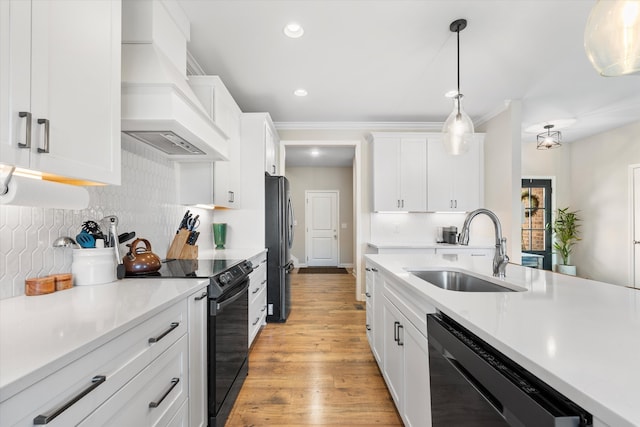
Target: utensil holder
{"points": [[94, 266], [220, 235], [179, 248]]}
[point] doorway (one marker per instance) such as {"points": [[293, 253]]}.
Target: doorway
{"points": [[536, 220], [322, 232]]}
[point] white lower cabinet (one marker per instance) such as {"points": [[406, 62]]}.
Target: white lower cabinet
{"points": [[132, 364], [406, 367], [374, 325], [197, 314], [257, 295], [153, 397]]}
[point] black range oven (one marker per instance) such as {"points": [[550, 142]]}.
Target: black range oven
{"points": [[227, 326]]}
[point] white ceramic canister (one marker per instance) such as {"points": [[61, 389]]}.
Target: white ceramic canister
{"points": [[93, 266]]}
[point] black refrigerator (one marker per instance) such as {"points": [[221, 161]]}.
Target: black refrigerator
{"points": [[279, 239]]}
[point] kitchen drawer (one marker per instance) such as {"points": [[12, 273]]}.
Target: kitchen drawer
{"points": [[118, 361], [257, 314], [256, 286], [152, 397]]}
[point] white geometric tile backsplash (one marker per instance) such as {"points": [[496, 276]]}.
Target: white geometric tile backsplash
{"points": [[144, 203]]}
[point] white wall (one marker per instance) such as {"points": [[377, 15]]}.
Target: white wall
{"points": [[502, 180], [600, 191]]}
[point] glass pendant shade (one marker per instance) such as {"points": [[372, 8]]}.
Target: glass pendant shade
{"points": [[612, 37], [457, 132]]}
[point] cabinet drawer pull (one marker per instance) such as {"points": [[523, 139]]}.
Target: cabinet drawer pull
{"points": [[263, 282], [368, 294], [256, 290], [256, 322], [202, 296], [174, 382], [44, 122], [27, 130], [367, 269], [263, 309], [49, 416], [368, 327], [375, 270], [399, 341], [395, 331], [164, 334]]}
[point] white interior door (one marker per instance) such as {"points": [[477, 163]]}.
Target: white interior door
{"points": [[636, 226], [322, 237]]}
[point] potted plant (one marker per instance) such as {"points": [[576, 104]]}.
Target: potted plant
{"points": [[565, 227]]}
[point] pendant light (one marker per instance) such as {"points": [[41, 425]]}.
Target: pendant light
{"points": [[612, 37], [458, 128], [548, 140]]}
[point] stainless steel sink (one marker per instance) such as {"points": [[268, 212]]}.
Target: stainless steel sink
{"points": [[458, 281]]}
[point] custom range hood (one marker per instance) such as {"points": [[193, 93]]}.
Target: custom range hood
{"points": [[159, 107]]}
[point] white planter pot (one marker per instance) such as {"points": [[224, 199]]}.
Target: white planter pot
{"points": [[567, 269]]}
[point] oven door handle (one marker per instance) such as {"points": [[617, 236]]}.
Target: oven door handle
{"points": [[219, 306]]}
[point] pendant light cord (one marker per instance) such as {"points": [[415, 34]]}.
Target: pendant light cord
{"points": [[458, 37]]}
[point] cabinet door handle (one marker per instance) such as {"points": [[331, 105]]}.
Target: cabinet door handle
{"points": [[375, 270], [400, 327], [256, 290], [231, 197], [403, 203], [49, 416], [368, 294], [395, 331], [44, 122], [456, 204], [174, 382], [27, 130], [263, 309], [367, 269], [256, 322], [368, 327], [263, 282], [164, 334], [273, 169], [202, 296]]}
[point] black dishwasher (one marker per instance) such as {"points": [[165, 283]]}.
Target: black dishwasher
{"points": [[473, 385]]}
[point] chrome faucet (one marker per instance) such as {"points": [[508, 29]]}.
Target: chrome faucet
{"points": [[500, 259]]}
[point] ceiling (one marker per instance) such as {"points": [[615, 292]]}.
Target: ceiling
{"points": [[393, 61]]}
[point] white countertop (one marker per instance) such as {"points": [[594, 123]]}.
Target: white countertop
{"points": [[41, 334], [582, 337]]}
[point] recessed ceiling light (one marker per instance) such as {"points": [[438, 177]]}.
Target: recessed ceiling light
{"points": [[293, 30], [300, 92]]}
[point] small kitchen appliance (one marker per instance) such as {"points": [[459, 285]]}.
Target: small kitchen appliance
{"points": [[450, 235]]}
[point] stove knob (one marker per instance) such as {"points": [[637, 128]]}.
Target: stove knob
{"points": [[225, 278]]}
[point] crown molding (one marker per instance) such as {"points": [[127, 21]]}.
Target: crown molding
{"points": [[421, 126], [493, 113]]}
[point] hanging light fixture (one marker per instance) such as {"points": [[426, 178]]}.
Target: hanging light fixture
{"points": [[612, 37], [458, 128], [548, 140]]}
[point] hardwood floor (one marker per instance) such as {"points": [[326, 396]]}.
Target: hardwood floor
{"points": [[317, 368]]}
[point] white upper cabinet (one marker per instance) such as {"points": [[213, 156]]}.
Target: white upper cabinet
{"points": [[215, 183], [60, 87], [399, 172], [271, 143], [455, 183]]}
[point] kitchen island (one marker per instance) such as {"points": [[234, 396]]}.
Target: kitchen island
{"points": [[581, 337]]}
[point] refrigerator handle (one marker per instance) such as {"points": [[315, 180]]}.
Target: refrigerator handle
{"points": [[291, 221], [289, 267]]}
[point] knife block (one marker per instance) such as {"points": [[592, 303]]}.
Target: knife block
{"points": [[179, 248]]}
